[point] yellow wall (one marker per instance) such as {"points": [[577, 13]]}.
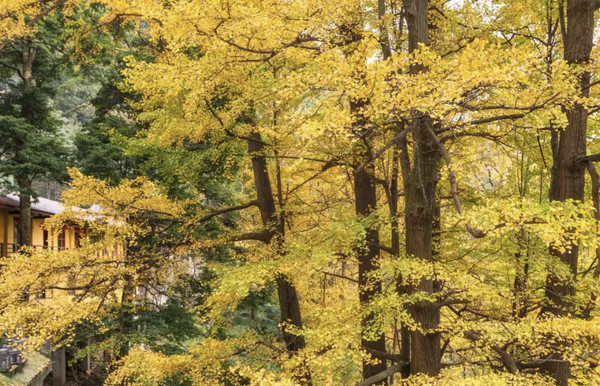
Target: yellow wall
{"points": [[3, 230], [10, 222], [37, 232]]}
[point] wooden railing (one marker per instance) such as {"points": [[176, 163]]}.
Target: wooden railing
{"points": [[8, 249]]}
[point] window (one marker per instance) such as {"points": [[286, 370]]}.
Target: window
{"points": [[45, 238], [61, 240]]}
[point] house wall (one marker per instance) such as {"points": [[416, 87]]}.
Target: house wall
{"points": [[7, 231], [3, 228], [10, 228], [37, 233]]}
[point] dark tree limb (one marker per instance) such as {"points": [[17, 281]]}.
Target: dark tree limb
{"points": [[383, 375], [506, 359], [264, 236], [228, 210], [591, 157], [341, 276], [453, 184], [385, 355], [385, 147]]}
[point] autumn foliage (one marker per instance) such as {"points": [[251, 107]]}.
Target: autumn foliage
{"points": [[365, 192]]}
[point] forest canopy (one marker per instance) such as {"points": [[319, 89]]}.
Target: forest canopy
{"points": [[268, 192]]}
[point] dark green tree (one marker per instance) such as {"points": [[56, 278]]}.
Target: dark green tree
{"points": [[31, 147]]}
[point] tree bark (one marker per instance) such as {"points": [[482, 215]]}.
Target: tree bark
{"points": [[27, 112], [420, 215], [367, 254], [386, 50], [568, 170], [421, 209], [24, 212], [289, 305]]}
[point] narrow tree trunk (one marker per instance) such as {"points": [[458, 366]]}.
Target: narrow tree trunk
{"points": [[24, 182], [367, 253], [568, 171], [24, 211], [289, 305], [365, 202], [519, 306], [395, 236], [386, 50]]}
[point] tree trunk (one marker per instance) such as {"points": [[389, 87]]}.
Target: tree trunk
{"points": [[568, 170], [420, 212], [386, 51], [24, 182], [24, 211], [395, 236], [421, 208], [289, 305], [367, 253]]}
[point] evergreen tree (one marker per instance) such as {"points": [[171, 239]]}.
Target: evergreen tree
{"points": [[31, 147]]}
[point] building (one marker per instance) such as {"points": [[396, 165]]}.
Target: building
{"points": [[38, 366], [41, 209]]}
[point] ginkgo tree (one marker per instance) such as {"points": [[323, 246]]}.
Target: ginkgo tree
{"points": [[400, 165]]}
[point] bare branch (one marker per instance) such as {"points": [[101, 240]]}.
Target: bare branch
{"points": [[340, 276], [229, 209], [453, 185], [379, 152], [384, 355]]}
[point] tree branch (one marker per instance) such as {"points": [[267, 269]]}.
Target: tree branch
{"points": [[453, 184], [379, 152], [506, 358], [229, 209], [340, 276], [35, 19], [383, 375], [385, 355], [264, 236], [591, 157]]}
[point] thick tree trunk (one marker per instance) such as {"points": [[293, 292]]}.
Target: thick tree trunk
{"points": [[568, 170], [421, 209], [289, 305], [420, 215]]}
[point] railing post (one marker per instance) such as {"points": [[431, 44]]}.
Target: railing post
{"points": [[59, 367]]}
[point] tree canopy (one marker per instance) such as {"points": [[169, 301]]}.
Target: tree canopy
{"points": [[314, 192]]}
